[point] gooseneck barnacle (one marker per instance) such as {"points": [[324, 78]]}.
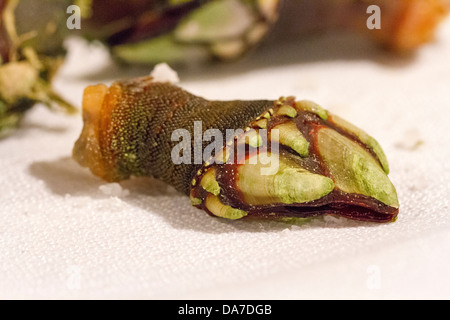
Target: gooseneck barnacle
{"points": [[261, 158]]}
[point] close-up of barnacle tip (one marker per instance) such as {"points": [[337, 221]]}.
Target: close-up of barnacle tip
{"points": [[271, 159]]}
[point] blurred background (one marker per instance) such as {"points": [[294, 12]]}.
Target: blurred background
{"points": [[189, 34]]}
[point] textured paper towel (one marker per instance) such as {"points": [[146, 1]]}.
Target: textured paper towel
{"points": [[65, 234]]}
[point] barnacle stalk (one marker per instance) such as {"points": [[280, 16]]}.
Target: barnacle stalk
{"points": [[283, 158], [30, 53]]}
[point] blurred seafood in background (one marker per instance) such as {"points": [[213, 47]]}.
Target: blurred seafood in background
{"points": [[181, 31], [31, 50], [173, 31]]}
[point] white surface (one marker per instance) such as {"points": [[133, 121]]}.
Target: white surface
{"points": [[64, 234]]}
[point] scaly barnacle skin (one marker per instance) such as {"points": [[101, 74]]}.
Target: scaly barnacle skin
{"points": [[325, 165]]}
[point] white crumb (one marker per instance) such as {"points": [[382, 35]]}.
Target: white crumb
{"points": [[411, 140], [162, 72], [114, 190], [332, 220], [296, 227]]}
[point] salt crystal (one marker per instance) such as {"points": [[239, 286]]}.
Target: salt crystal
{"points": [[162, 72], [114, 190]]}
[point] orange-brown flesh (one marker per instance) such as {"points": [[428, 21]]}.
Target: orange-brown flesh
{"points": [[87, 151]]}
